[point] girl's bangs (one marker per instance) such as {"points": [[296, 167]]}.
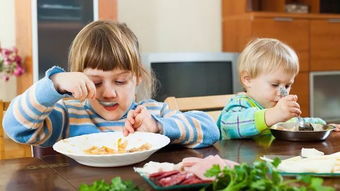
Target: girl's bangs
{"points": [[103, 57]]}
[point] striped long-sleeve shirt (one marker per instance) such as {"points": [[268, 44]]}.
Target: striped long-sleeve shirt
{"points": [[40, 116], [243, 117]]}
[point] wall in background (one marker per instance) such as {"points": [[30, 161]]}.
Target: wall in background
{"points": [[7, 39], [160, 25], [174, 26]]}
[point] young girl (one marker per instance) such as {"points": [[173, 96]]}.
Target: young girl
{"points": [[105, 71], [265, 66]]}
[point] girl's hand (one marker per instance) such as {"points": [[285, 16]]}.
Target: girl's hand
{"points": [[75, 83], [286, 108], [140, 119]]}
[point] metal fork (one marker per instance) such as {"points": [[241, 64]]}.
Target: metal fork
{"points": [[303, 126]]}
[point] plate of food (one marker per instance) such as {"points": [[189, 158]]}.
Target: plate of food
{"points": [[290, 131], [190, 186], [111, 149], [188, 174], [309, 162]]}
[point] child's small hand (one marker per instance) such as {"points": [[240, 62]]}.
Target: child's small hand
{"points": [[76, 83], [337, 127], [140, 119], [286, 108]]}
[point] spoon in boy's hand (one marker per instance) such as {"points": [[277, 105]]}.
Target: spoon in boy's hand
{"points": [[301, 122]]}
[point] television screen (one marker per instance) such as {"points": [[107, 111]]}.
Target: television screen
{"points": [[187, 79], [189, 74], [325, 96]]}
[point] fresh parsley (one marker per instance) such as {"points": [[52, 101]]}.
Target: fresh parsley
{"points": [[117, 184], [261, 176]]}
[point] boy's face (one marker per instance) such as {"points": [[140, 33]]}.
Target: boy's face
{"points": [[265, 88], [115, 92]]}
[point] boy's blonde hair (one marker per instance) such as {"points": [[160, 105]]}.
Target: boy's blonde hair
{"points": [[108, 45], [266, 55]]}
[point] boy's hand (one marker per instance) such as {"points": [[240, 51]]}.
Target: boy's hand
{"points": [[140, 119], [286, 108], [337, 127], [75, 83]]}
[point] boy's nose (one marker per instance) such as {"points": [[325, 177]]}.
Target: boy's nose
{"points": [[109, 92]]}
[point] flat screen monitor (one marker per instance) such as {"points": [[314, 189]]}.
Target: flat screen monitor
{"points": [[325, 95], [193, 74]]}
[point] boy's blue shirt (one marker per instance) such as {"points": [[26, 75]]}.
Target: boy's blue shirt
{"points": [[243, 117], [40, 116]]}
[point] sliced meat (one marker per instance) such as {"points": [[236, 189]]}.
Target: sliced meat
{"points": [[201, 167], [173, 179], [193, 179], [163, 174], [190, 171], [190, 161]]}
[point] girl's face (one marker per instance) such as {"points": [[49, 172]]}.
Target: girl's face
{"points": [[265, 88], [115, 92]]}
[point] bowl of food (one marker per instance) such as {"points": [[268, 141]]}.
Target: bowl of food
{"points": [[111, 149], [291, 131]]}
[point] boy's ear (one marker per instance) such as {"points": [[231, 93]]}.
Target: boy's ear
{"points": [[245, 79]]}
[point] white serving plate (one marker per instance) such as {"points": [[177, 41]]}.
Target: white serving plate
{"points": [[74, 147]]}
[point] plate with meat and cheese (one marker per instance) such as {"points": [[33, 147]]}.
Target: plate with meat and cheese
{"points": [[188, 174]]}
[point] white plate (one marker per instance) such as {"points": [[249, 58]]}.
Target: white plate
{"points": [[74, 147]]}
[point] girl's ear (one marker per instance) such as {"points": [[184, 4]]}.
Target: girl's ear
{"points": [[139, 80], [245, 79]]}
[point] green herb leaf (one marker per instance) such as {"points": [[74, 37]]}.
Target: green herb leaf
{"points": [[260, 176], [117, 184], [214, 171]]}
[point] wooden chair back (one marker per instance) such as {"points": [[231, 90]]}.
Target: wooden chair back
{"points": [[25, 150], [3, 107], [212, 105]]}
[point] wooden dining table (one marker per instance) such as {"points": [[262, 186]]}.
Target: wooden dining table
{"points": [[58, 172]]}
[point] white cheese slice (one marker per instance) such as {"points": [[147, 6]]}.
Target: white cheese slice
{"points": [[313, 165], [153, 167], [310, 152]]}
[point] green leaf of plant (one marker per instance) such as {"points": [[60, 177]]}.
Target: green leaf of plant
{"points": [[215, 170]]}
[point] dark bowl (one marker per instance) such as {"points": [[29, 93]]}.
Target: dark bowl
{"points": [[290, 134]]}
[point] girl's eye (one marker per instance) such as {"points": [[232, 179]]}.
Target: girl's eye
{"points": [[275, 85]]}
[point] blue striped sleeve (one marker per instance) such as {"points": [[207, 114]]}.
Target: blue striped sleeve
{"points": [[33, 117], [193, 129]]}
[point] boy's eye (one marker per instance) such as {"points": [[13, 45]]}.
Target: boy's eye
{"points": [[275, 85], [288, 86], [120, 82]]}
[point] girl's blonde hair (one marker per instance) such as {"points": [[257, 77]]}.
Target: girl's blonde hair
{"points": [[267, 55], [108, 45]]}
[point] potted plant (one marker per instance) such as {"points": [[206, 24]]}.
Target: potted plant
{"points": [[10, 63]]}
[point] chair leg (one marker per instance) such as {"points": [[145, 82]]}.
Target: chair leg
{"points": [[2, 144], [40, 152]]}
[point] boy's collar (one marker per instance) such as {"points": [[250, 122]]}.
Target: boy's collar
{"points": [[252, 101]]}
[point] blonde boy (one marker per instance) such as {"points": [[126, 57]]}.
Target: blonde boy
{"points": [[265, 66]]}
